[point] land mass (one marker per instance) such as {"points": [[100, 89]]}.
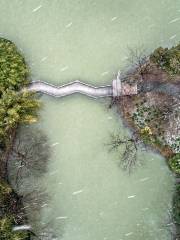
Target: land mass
{"points": [[154, 113]]}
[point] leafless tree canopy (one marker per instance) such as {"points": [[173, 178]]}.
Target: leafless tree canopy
{"points": [[139, 59], [31, 152], [28, 160], [128, 157]]}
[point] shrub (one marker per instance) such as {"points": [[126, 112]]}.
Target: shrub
{"points": [[6, 232], [145, 115], [174, 163], [167, 59], [4, 189], [15, 106], [14, 71]]}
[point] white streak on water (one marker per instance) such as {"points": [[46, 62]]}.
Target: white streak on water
{"points": [[172, 37], [174, 20], [169, 224], [132, 196], [113, 19], [128, 234], [37, 8], [68, 25], [62, 217], [54, 144], [77, 192], [104, 73], [43, 59], [145, 209], [25, 207], [44, 205], [125, 58], [22, 227], [64, 68], [144, 179]]}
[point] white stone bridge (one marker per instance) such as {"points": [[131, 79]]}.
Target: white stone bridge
{"points": [[117, 89]]}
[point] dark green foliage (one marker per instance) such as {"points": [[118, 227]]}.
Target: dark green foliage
{"points": [[6, 232], [15, 107], [13, 69], [167, 59], [174, 163], [4, 191]]}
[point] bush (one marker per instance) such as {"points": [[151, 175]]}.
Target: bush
{"points": [[6, 232], [4, 189], [14, 71], [167, 59], [15, 106], [174, 163]]}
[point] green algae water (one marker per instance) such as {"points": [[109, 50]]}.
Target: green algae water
{"points": [[90, 197]]}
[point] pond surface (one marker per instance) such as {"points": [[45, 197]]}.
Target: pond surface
{"points": [[90, 197]]}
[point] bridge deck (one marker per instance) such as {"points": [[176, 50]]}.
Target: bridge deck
{"points": [[71, 88]]}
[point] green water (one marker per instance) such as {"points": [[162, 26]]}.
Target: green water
{"points": [[90, 197]]}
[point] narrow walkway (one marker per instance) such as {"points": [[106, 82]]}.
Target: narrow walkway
{"points": [[70, 88]]}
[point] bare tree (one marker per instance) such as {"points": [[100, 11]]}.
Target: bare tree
{"points": [[128, 158], [30, 152], [139, 59]]}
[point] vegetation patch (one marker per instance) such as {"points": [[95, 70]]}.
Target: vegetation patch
{"points": [[174, 163], [6, 232], [16, 107], [13, 71], [167, 59]]}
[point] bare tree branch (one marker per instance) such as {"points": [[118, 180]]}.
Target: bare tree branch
{"points": [[128, 159]]}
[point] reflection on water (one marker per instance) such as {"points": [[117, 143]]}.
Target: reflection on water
{"points": [[90, 197]]}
